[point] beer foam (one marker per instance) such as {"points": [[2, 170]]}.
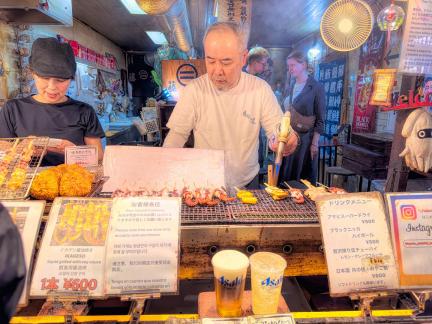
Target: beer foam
{"points": [[267, 262], [230, 260]]}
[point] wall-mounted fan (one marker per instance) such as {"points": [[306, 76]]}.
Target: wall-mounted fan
{"points": [[346, 24]]}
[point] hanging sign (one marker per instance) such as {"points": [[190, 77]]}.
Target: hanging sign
{"points": [[416, 48], [411, 224], [382, 87]]}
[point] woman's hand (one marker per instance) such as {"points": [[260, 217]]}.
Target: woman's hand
{"points": [[314, 151], [59, 145]]}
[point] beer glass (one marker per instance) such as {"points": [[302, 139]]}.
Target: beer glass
{"points": [[230, 268], [267, 271]]}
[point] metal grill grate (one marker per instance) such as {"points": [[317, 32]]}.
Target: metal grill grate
{"points": [[265, 211], [205, 214], [269, 211], [12, 153]]}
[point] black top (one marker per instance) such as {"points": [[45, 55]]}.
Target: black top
{"points": [[311, 102], [71, 120], [12, 266]]}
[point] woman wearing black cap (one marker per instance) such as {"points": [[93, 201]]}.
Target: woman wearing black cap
{"points": [[50, 112]]}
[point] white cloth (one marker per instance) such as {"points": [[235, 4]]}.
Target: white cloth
{"points": [[418, 148], [298, 88], [226, 120]]}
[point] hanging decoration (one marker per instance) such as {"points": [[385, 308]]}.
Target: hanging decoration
{"points": [[390, 19]]}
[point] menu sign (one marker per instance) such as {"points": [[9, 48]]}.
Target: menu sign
{"points": [[382, 87], [416, 49], [72, 255], [357, 243], [143, 246], [86, 155], [27, 216], [411, 224]]}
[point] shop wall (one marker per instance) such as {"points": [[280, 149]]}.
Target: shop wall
{"points": [[9, 78], [85, 36]]}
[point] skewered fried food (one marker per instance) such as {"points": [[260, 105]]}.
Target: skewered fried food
{"points": [[313, 192], [276, 193]]}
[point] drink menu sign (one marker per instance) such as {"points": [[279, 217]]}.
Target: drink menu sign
{"points": [[357, 243], [411, 224]]}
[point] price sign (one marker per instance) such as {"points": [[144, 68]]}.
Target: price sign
{"points": [[357, 243], [72, 255], [86, 156]]}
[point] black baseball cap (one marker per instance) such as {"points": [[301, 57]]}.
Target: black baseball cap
{"points": [[50, 58]]}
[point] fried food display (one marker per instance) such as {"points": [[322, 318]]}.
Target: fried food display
{"points": [[82, 224], [62, 180]]}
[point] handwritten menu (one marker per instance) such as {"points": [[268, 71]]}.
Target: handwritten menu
{"points": [[27, 216], [143, 247], [357, 243], [416, 48], [411, 224], [331, 75], [72, 255]]}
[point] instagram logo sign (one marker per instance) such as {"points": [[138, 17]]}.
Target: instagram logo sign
{"points": [[408, 212]]}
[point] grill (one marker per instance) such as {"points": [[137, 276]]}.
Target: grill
{"points": [[269, 211], [13, 150], [265, 211]]}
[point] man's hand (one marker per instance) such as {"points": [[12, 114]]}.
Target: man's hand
{"points": [[290, 146]]}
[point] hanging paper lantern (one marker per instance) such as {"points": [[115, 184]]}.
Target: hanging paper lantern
{"points": [[390, 17]]}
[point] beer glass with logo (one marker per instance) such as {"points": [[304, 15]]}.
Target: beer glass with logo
{"points": [[230, 268], [267, 271]]}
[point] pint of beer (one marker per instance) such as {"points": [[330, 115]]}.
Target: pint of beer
{"points": [[267, 271], [230, 269]]}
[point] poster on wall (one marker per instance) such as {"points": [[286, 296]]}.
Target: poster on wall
{"points": [[331, 75], [176, 74], [416, 49], [371, 54]]}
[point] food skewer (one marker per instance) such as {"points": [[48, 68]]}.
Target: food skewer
{"points": [[334, 190], [296, 194], [5, 162]]}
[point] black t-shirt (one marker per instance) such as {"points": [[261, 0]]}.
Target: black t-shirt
{"points": [[70, 120]]}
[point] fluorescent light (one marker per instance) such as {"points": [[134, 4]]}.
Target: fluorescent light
{"points": [[132, 7], [157, 37]]}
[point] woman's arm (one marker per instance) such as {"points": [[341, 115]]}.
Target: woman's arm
{"points": [[97, 142]]}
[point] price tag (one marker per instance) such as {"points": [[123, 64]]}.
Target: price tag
{"points": [[272, 319], [411, 223], [357, 243], [143, 246], [86, 156]]}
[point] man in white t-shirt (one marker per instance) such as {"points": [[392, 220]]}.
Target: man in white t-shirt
{"points": [[226, 107]]}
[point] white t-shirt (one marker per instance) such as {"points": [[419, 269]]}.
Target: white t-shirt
{"points": [[228, 120]]}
